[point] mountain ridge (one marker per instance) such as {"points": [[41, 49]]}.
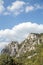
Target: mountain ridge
{"points": [[27, 45]]}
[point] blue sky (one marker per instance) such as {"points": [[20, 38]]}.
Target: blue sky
{"points": [[8, 21], [18, 18]]}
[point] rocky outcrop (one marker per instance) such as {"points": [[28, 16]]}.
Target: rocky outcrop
{"points": [[16, 49], [11, 49]]}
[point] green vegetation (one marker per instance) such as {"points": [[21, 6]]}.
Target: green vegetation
{"points": [[37, 59], [5, 60]]}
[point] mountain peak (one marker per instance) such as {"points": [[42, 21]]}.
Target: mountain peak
{"points": [[15, 49]]}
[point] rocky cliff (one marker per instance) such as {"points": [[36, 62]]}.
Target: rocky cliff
{"points": [[16, 49]]}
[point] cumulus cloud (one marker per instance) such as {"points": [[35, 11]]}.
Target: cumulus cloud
{"points": [[6, 13], [16, 7], [33, 7], [38, 6], [19, 32], [2, 8], [3, 44], [29, 8]]}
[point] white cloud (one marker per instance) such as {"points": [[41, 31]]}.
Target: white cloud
{"points": [[29, 8], [1, 6], [33, 7], [38, 6], [19, 32], [6, 13], [16, 7], [3, 44]]}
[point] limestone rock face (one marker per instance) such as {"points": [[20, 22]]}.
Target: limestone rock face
{"points": [[11, 49], [16, 49]]}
